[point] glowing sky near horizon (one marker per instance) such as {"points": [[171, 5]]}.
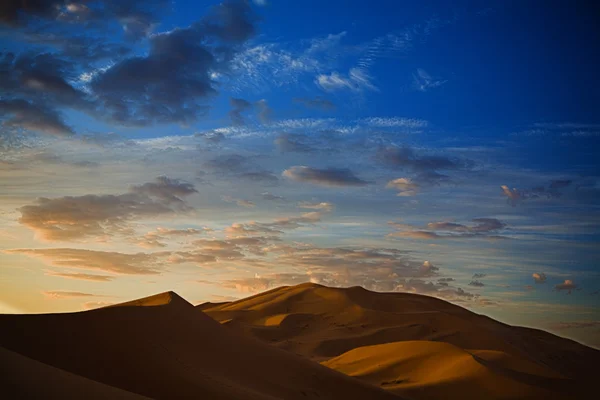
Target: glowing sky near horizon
{"points": [[223, 149]]}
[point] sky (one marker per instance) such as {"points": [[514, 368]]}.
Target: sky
{"points": [[223, 149]]}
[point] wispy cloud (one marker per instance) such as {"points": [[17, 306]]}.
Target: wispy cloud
{"points": [[423, 81]]}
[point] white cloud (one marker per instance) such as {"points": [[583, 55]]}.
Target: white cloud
{"points": [[356, 80], [423, 82]]}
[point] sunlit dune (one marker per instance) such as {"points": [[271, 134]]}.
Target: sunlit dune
{"points": [[170, 350], [321, 323], [434, 370]]}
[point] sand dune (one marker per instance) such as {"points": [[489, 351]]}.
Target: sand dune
{"points": [[24, 378], [435, 370], [321, 323], [162, 347]]}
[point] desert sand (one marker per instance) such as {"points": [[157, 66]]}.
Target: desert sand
{"points": [[159, 347], [417, 346]]}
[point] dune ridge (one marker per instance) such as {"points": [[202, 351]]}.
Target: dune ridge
{"points": [[322, 323], [162, 347]]}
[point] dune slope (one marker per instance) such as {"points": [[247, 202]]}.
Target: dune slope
{"points": [[321, 322], [435, 370], [24, 378], [162, 347]]}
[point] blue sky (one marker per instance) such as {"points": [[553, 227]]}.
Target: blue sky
{"points": [[221, 149]]}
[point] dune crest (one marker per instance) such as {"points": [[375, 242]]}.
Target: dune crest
{"points": [[162, 347], [323, 323]]}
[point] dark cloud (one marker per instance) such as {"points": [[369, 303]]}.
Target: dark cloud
{"points": [[316, 103], [568, 285], [35, 117], [171, 83], [483, 227], [476, 283], [13, 11], [446, 280], [333, 177], [293, 143], [168, 191], [241, 167], [553, 190], [238, 106], [80, 217], [405, 157], [264, 177], [135, 16], [479, 276], [539, 277], [272, 197], [265, 113]]}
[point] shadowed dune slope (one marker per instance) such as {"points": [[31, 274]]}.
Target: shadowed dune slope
{"points": [[24, 378], [434, 370], [321, 322], [162, 347]]}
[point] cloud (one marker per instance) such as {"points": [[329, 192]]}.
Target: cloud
{"points": [[476, 283], [277, 226], [323, 206], [567, 285], [427, 270], [249, 229], [59, 294], [157, 237], [80, 217], [395, 122], [265, 113], [173, 81], [575, 325], [239, 202], [291, 143], [332, 177], [424, 235], [34, 117], [238, 106], [513, 195], [424, 82], [553, 190], [479, 276], [241, 167], [356, 81], [405, 157], [81, 276], [404, 186], [539, 277], [317, 103], [483, 228], [271, 197], [482, 225], [107, 261]]}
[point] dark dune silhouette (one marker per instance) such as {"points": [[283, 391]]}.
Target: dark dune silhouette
{"points": [[160, 347]]}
